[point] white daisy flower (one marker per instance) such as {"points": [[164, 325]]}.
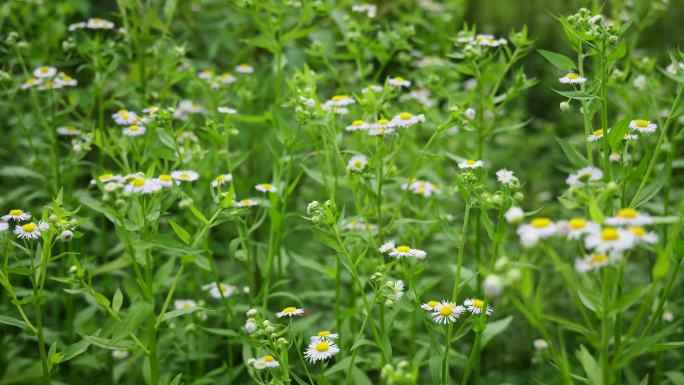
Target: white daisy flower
{"points": [[514, 214], [380, 129], [372, 88], [668, 316], [124, 117], [488, 40], [221, 180], [16, 215], [630, 137], [338, 104], [49, 85], [142, 186], [629, 217], [247, 202], [470, 113], [538, 228], [430, 305], [675, 68], [596, 135], [134, 130], [68, 131], [227, 78], [492, 285], [540, 344], [30, 230], [406, 119], [290, 311], [642, 235], [266, 362], [610, 238], [615, 156], [119, 354], [506, 177], [97, 23], [357, 125], [44, 72], [447, 312], [206, 74], [325, 335], [643, 126], [164, 180], [244, 68], [227, 110], [584, 176], [151, 110], [399, 82], [357, 163], [471, 163], [185, 175], [320, 350], [184, 304], [109, 177], [476, 306], [266, 187], [576, 227], [397, 288], [221, 290], [358, 224], [594, 261], [186, 136], [572, 78], [422, 187], [187, 107], [3, 226], [401, 251], [65, 80], [369, 9], [74, 26], [31, 82]]}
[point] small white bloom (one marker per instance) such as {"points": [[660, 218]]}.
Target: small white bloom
{"points": [[609, 239], [29, 230], [430, 305], [401, 251], [357, 125], [357, 163], [320, 350], [642, 235], [244, 68], [514, 214], [227, 110], [584, 176], [97, 23], [470, 113], [266, 187], [325, 335], [406, 119], [44, 72], [184, 304], [492, 285], [221, 180], [119, 354], [222, 290], [471, 163], [250, 327], [540, 344], [538, 228], [68, 131], [134, 130], [576, 227], [506, 177], [290, 311], [372, 88], [594, 261], [266, 362], [16, 215], [476, 306], [573, 78], [447, 312], [3, 226], [142, 185], [399, 82], [596, 135], [643, 126], [247, 202], [369, 9], [185, 175], [629, 217], [422, 188]]}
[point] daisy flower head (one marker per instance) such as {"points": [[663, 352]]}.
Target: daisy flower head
{"points": [[227, 110], [401, 251], [675, 68], [488, 40], [134, 130], [538, 228], [266, 187], [164, 180], [49, 85], [3, 226], [142, 185], [265, 362], [642, 235], [399, 82], [244, 68], [471, 163], [31, 82], [68, 131], [185, 175], [30, 230], [396, 289], [97, 23], [119, 354], [382, 127], [506, 177], [357, 125], [572, 78], [320, 350], [65, 80], [422, 188], [609, 239], [357, 163], [643, 126], [205, 74], [184, 304], [222, 290], [369, 9], [247, 202], [477, 306], [124, 117], [584, 176], [576, 227], [338, 104], [594, 261], [221, 180], [629, 217], [16, 215], [227, 78], [430, 305], [446, 312], [406, 119], [356, 224], [290, 311], [596, 135], [325, 335], [109, 177], [514, 214], [372, 88], [44, 72]]}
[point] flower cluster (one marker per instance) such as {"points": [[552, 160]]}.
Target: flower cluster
{"points": [[49, 78]]}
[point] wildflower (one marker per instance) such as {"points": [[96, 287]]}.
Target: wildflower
{"points": [[357, 163], [506, 177], [667, 315], [382, 127], [540, 344], [250, 326], [49, 85], [358, 224], [119, 354], [30, 230], [401, 251], [430, 305], [221, 180], [421, 187], [97, 23], [184, 304], [629, 217], [514, 214], [470, 163], [68, 131], [31, 82], [44, 72], [227, 78], [151, 110], [227, 110], [615, 156], [406, 119], [66, 236], [357, 125], [642, 126], [290, 311], [246, 203], [576, 227], [142, 185], [573, 78], [538, 228], [65, 80], [470, 113], [630, 137], [185, 175], [610, 238], [266, 187], [124, 117], [320, 350], [206, 74], [596, 135], [594, 261], [325, 335], [396, 288], [372, 88], [164, 180], [244, 68], [642, 235], [218, 291], [488, 40], [640, 82], [446, 312], [187, 107], [3, 226], [476, 306], [492, 285], [369, 9], [16, 215], [675, 68], [134, 130], [266, 362], [399, 82], [338, 104]]}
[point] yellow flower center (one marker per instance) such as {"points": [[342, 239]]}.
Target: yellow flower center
{"points": [[245, 202], [383, 121], [339, 98], [432, 303], [471, 162], [642, 123], [358, 164], [186, 305], [220, 178], [399, 79], [49, 84], [268, 358], [66, 78], [638, 231], [598, 258], [627, 213], [478, 303], [134, 128], [403, 249], [446, 310], [289, 309], [44, 70], [267, 186], [357, 123], [324, 333], [184, 175], [120, 112], [405, 116], [322, 346], [381, 131], [165, 178], [29, 227], [540, 223], [598, 132], [610, 234], [573, 75], [104, 177], [16, 212], [577, 223], [138, 182], [226, 76]]}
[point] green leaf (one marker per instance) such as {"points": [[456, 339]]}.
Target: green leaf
{"points": [[619, 52], [578, 160], [617, 133], [559, 61], [74, 350], [176, 380], [117, 301], [590, 366], [677, 378], [138, 312], [198, 215], [180, 312], [661, 266], [576, 95], [7, 320], [495, 328], [180, 232]]}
